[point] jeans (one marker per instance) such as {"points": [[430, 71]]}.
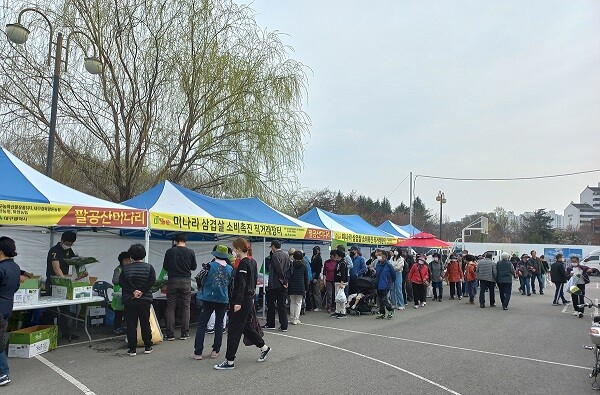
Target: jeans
{"points": [[418, 293], [178, 289], [525, 285], [135, 310], [472, 291], [295, 307], [505, 289], [559, 293], [437, 285], [240, 324], [384, 302], [206, 311], [540, 278], [276, 297], [397, 297], [487, 286], [3, 360], [314, 295], [579, 299], [455, 289]]}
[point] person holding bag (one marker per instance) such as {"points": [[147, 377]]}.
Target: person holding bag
{"points": [[419, 277], [242, 317], [340, 279], [578, 275]]}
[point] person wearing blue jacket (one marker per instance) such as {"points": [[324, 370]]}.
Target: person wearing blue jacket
{"points": [[213, 297], [359, 267], [386, 276]]}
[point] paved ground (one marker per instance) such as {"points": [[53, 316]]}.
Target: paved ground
{"points": [[448, 347]]}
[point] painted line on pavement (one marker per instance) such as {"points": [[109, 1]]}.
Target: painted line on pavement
{"points": [[450, 347], [65, 375], [372, 359]]}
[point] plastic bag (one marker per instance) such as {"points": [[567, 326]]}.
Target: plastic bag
{"points": [[572, 281], [340, 297]]}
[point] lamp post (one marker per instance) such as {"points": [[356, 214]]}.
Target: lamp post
{"points": [[442, 199], [18, 34]]}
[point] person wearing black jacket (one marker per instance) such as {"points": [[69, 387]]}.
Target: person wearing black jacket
{"points": [[9, 284], [136, 281], [242, 317], [298, 286], [179, 263], [316, 267], [340, 279], [277, 287], [558, 275]]}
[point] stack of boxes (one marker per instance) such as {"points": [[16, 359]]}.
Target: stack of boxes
{"points": [[70, 289]]}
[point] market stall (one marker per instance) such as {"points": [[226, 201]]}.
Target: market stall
{"points": [[401, 231]]}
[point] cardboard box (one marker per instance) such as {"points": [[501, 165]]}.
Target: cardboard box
{"points": [[69, 289], [32, 341], [27, 296], [34, 282], [96, 311]]}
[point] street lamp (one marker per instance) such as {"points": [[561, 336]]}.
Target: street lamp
{"points": [[442, 199], [18, 34]]}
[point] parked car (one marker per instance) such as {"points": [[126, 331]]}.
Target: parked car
{"points": [[593, 262]]}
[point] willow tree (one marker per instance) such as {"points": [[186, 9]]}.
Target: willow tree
{"points": [[192, 91]]}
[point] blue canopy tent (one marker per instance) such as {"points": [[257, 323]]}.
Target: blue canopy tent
{"points": [[403, 231], [349, 228]]}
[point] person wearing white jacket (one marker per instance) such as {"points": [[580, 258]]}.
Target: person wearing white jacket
{"points": [[397, 298]]}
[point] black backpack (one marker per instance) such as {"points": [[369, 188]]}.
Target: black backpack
{"points": [[202, 275]]}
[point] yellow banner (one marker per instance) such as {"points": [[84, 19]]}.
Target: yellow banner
{"points": [[44, 214], [354, 238], [187, 223]]}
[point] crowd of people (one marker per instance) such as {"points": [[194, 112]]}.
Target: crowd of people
{"points": [[227, 298]]}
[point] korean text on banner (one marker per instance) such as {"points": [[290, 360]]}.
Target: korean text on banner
{"points": [[355, 238], [42, 214], [177, 222]]}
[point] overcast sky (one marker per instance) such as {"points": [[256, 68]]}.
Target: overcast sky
{"points": [[448, 88]]}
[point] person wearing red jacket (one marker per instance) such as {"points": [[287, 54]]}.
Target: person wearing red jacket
{"points": [[471, 277], [419, 277], [454, 276]]}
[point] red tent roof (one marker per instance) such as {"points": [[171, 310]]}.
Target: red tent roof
{"points": [[423, 240]]}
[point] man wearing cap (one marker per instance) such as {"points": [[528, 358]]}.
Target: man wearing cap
{"points": [[359, 266], [486, 274], [277, 287]]}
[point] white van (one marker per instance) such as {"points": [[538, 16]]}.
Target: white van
{"points": [[593, 262]]}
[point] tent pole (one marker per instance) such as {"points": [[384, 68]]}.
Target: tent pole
{"points": [[147, 235], [410, 210], [51, 237], [264, 269]]}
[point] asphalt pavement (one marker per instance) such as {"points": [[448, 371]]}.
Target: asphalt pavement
{"points": [[445, 347]]}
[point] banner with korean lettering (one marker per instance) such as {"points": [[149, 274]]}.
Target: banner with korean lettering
{"points": [[355, 238], [186, 223], [43, 214]]}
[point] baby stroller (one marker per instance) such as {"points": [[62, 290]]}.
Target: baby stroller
{"points": [[365, 300]]}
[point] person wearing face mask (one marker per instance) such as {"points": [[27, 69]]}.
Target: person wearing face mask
{"points": [[581, 272], [558, 275], [386, 276], [419, 278], [56, 266], [436, 273], [397, 297], [359, 267]]}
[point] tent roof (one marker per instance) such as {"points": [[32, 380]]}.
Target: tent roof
{"points": [[171, 198], [341, 223], [22, 183], [423, 240], [398, 230]]}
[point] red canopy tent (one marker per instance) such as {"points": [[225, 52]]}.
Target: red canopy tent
{"points": [[423, 239]]}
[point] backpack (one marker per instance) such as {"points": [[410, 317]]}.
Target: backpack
{"points": [[201, 276]]}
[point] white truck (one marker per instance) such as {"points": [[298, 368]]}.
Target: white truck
{"points": [[593, 261]]}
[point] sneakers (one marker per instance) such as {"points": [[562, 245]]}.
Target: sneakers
{"points": [[334, 315], [210, 331], [401, 308], [416, 306], [541, 292], [132, 353], [263, 355], [184, 336], [196, 357], [225, 365], [576, 313], [555, 304], [341, 316], [4, 379], [390, 315], [423, 304], [504, 308], [214, 354], [580, 315], [439, 299], [169, 337], [380, 316], [268, 328], [148, 350], [295, 322], [460, 298], [315, 310], [282, 330]]}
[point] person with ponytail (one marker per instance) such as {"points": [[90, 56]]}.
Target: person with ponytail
{"points": [[242, 317]]}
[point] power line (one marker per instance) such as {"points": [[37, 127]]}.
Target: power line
{"points": [[509, 179], [388, 196]]}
